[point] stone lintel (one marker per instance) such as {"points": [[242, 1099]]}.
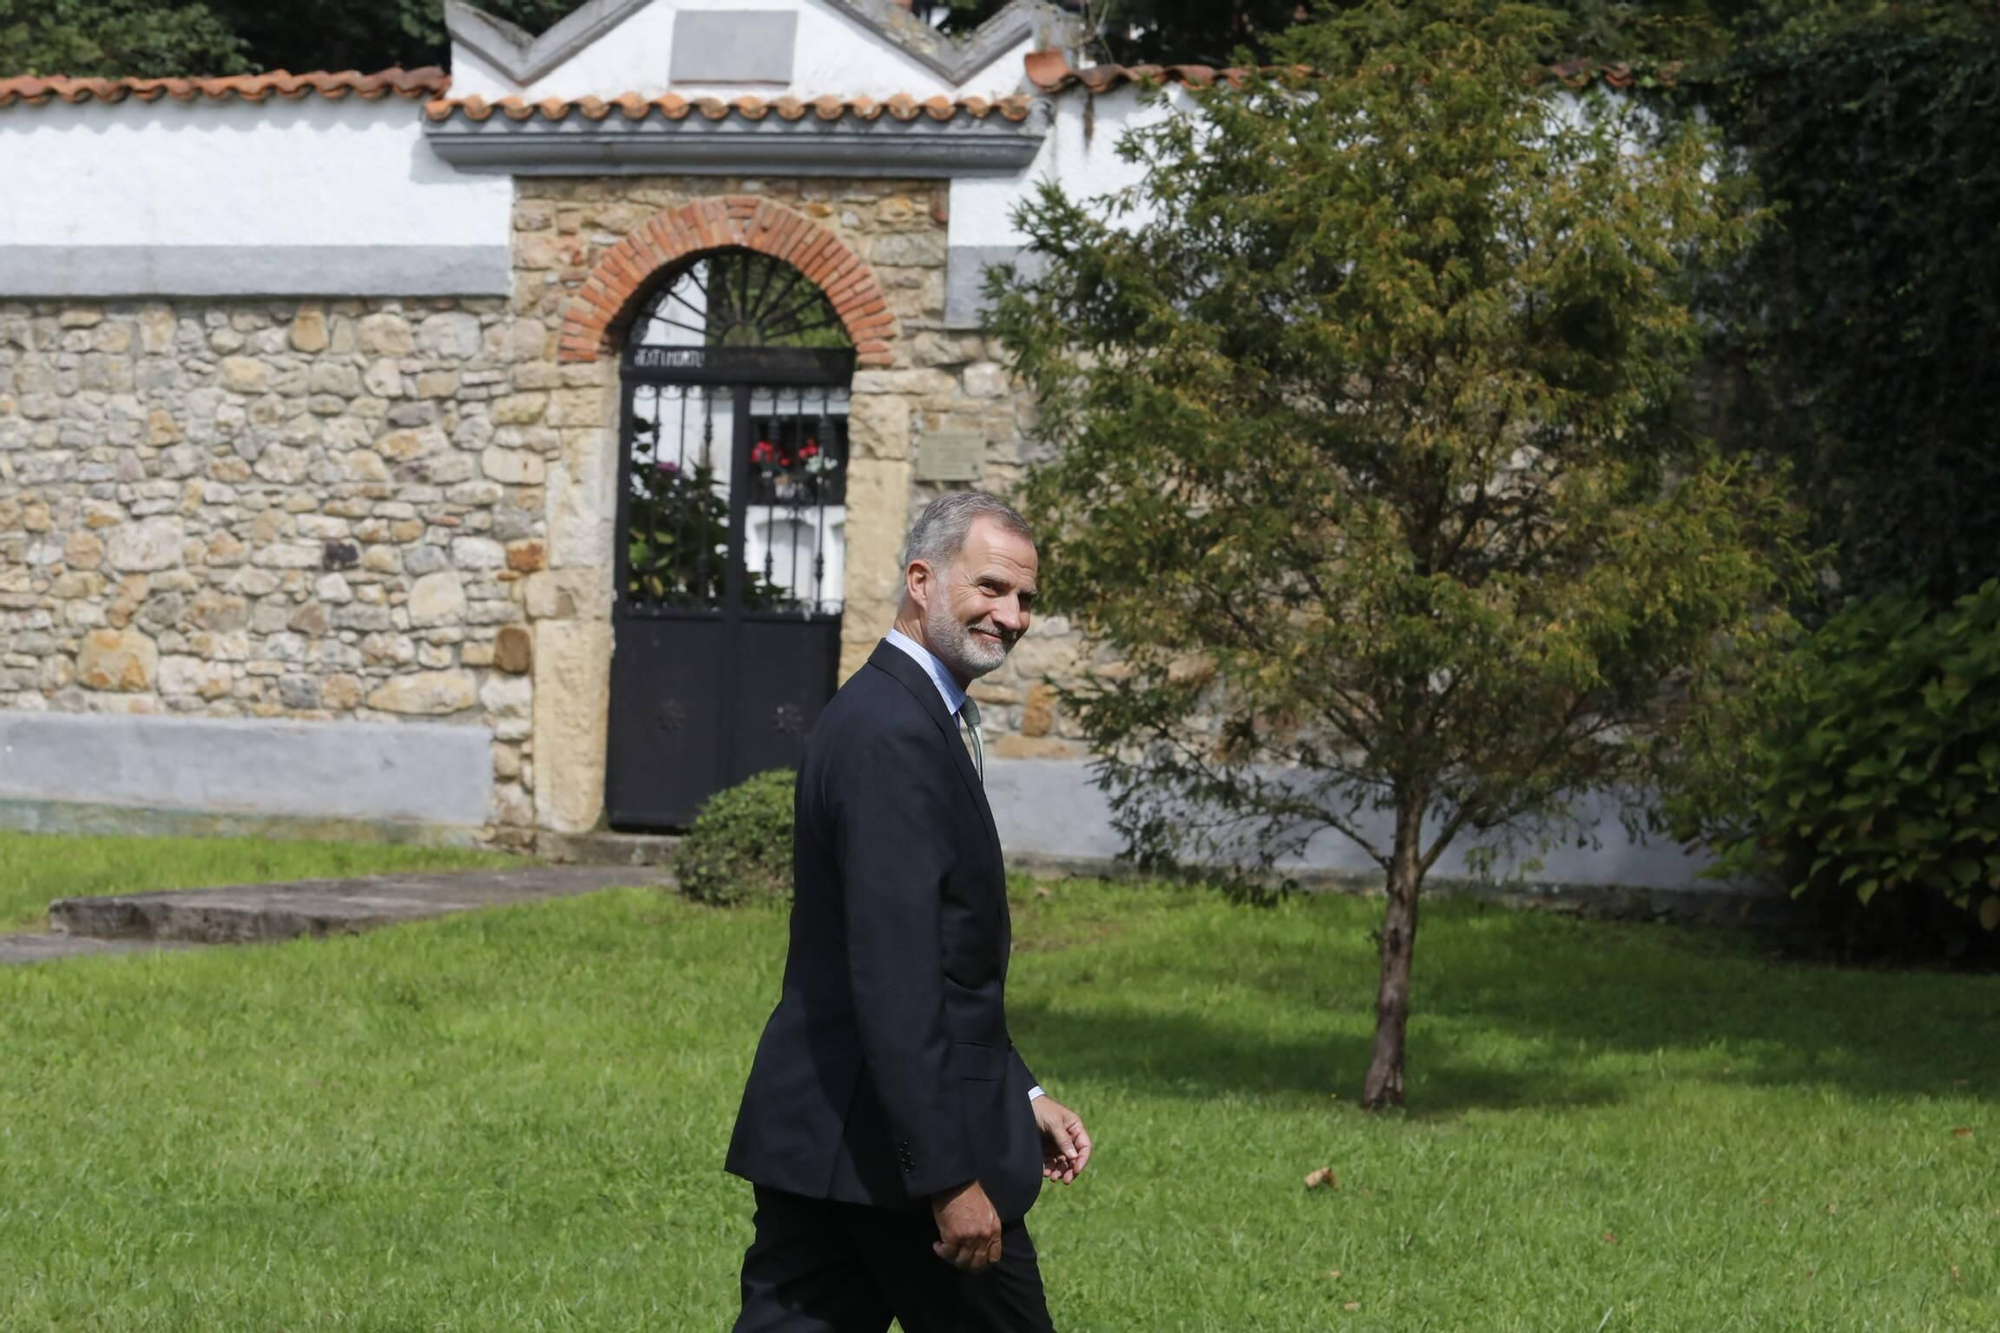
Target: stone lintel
{"points": [[884, 148]]}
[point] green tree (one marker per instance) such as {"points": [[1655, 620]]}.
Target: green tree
{"points": [[161, 38], [113, 38], [1366, 457], [364, 34], [1862, 326]]}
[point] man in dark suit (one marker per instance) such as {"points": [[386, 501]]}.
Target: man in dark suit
{"points": [[894, 1135]]}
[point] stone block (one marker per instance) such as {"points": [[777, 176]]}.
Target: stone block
{"points": [[83, 550], [513, 649], [450, 334], [519, 409], [384, 334], [478, 553], [437, 599], [149, 544], [984, 379], [1038, 714], [1033, 747], [426, 693], [571, 696], [118, 660], [514, 467], [566, 594], [308, 331], [184, 675], [244, 374], [507, 696]]}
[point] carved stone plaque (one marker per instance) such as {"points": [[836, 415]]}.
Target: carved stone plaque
{"points": [[950, 456]]}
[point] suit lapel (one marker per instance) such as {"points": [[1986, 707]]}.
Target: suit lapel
{"points": [[912, 677]]}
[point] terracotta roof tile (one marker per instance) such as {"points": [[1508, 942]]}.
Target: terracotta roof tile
{"points": [[1050, 72], [672, 106], [429, 81]]}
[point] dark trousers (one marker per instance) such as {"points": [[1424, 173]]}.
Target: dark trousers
{"points": [[822, 1267]]}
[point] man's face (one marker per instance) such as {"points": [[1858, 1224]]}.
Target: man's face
{"points": [[978, 607]]}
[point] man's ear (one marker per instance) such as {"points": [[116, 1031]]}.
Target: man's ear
{"points": [[917, 582]]}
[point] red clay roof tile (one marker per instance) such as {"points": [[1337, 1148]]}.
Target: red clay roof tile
{"points": [[429, 81], [672, 106], [1050, 72]]}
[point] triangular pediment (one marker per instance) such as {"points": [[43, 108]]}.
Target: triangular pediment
{"points": [[765, 44]]}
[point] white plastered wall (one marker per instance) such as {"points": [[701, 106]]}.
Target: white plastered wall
{"points": [[218, 198], [1080, 154]]}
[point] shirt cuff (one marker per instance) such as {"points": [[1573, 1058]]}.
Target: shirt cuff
{"points": [[1035, 1092]]}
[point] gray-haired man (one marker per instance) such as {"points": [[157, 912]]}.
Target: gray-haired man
{"points": [[895, 1136]]}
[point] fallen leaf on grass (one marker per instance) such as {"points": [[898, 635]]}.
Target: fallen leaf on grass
{"points": [[1323, 1176], [1962, 1132], [1335, 1272], [1610, 1238], [1352, 1305]]}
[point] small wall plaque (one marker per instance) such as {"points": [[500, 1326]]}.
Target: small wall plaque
{"points": [[950, 456]]}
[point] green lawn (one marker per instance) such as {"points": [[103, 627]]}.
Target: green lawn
{"points": [[36, 869], [514, 1120]]}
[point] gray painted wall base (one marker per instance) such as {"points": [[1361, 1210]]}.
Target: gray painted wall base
{"points": [[254, 270], [79, 818], [406, 773], [1049, 808]]}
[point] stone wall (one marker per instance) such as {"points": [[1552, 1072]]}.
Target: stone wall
{"points": [[585, 248], [273, 509], [388, 509]]}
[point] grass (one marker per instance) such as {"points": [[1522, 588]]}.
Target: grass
{"points": [[514, 1120], [36, 869]]}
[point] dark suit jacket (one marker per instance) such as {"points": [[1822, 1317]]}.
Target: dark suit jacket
{"points": [[886, 1073]]}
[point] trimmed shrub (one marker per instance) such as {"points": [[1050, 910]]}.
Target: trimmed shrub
{"points": [[1877, 796], [740, 847]]}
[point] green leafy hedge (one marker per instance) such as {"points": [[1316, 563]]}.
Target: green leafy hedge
{"points": [[1862, 328], [740, 847], [1878, 795]]}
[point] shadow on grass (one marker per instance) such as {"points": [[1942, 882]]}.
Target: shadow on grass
{"points": [[1186, 1055], [1515, 1009]]}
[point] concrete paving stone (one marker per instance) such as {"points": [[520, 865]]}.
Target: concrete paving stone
{"points": [[252, 912], [47, 948]]}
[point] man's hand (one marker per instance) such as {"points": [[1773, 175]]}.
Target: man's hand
{"points": [[1065, 1143], [968, 1229]]}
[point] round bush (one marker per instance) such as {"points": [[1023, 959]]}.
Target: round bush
{"points": [[740, 847], [1878, 796]]}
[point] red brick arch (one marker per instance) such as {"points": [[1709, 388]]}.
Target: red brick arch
{"points": [[673, 234]]}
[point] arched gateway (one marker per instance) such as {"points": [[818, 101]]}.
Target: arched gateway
{"points": [[730, 551]]}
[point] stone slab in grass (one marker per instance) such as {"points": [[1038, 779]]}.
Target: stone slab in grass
{"points": [[45, 948], [246, 913]]}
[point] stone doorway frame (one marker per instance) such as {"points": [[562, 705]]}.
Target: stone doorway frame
{"points": [[571, 608]]}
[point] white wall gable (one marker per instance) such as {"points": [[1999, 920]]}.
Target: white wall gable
{"points": [[731, 48]]}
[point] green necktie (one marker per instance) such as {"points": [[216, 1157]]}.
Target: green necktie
{"points": [[969, 712]]}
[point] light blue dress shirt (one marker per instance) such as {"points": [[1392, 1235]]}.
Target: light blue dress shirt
{"points": [[953, 695]]}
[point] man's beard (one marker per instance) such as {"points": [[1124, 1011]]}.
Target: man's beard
{"points": [[969, 656]]}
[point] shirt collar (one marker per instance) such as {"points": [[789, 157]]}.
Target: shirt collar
{"points": [[947, 686]]}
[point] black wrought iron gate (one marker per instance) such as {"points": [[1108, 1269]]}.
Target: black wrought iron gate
{"points": [[730, 547]]}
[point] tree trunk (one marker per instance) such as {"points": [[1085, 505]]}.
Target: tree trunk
{"points": [[1384, 1084]]}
